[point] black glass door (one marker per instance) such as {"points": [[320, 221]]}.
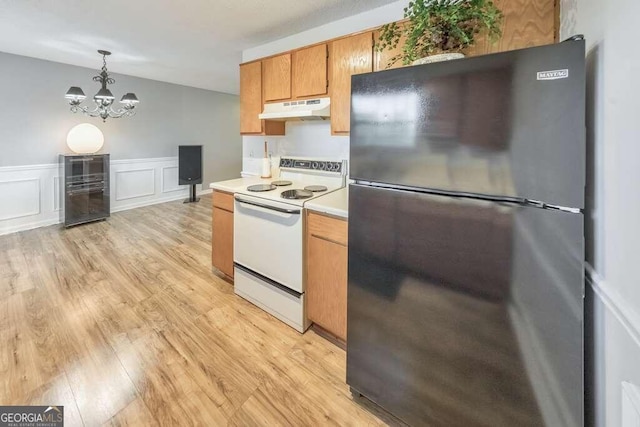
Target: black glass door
{"points": [[86, 188]]}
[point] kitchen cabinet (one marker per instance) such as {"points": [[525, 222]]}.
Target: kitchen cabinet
{"points": [[251, 103], [326, 262], [306, 72], [381, 59], [526, 23], [222, 232], [276, 78], [348, 56], [310, 71]]}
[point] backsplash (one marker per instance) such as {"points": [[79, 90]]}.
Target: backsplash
{"points": [[302, 139]]}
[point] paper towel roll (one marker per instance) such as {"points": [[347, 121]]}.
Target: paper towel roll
{"points": [[266, 168]]}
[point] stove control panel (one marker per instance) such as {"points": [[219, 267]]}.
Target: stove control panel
{"points": [[316, 165]]}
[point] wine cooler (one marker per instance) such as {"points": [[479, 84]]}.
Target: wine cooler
{"points": [[85, 188]]}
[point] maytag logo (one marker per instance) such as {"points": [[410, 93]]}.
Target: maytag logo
{"points": [[553, 75]]}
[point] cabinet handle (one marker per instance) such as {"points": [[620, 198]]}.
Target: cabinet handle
{"points": [[326, 239]]}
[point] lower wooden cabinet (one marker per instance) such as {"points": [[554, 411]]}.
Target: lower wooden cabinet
{"points": [[326, 262], [222, 232]]}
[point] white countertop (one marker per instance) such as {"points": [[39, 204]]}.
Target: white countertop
{"points": [[233, 185], [335, 203]]}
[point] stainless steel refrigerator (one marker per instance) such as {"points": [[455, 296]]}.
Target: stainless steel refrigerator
{"points": [[466, 247]]}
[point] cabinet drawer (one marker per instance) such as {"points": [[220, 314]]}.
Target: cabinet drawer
{"points": [[223, 200], [325, 227]]}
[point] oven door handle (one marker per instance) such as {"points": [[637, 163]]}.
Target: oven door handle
{"points": [[272, 208]]}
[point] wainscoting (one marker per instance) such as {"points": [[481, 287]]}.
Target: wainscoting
{"points": [[30, 195], [614, 373]]}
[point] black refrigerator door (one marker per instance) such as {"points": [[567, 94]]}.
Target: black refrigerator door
{"points": [[464, 312], [507, 124]]}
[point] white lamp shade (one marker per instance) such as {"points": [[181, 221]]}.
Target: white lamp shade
{"points": [[85, 138]]}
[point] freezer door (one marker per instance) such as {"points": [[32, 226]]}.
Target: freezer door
{"points": [[507, 124], [464, 312]]}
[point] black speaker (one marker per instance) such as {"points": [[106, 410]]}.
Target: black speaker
{"points": [[189, 164]]}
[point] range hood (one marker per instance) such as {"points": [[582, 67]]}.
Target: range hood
{"points": [[306, 109]]}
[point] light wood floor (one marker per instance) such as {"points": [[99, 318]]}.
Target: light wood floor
{"points": [[124, 323]]}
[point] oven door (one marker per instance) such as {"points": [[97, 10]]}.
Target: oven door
{"points": [[268, 239]]}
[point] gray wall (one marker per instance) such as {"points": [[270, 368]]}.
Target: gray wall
{"points": [[35, 117]]}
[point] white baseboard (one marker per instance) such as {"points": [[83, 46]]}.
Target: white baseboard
{"points": [[29, 195]]}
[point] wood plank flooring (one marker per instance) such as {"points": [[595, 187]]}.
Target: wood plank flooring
{"points": [[124, 323]]}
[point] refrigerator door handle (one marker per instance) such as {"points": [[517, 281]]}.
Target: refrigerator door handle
{"points": [[455, 194]]}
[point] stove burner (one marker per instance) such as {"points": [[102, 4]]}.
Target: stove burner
{"points": [[296, 194], [315, 188], [281, 183], [261, 187]]}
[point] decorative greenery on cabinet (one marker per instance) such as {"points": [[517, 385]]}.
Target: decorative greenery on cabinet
{"points": [[439, 26]]}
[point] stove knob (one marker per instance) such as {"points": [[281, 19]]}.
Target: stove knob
{"points": [[315, 166], [323, 166]]}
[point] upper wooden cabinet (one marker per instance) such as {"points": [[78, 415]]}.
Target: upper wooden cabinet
{"points": [[382, 59], [310, 71], [526, 23], [348, 56], [251, 103], [276, 78], [250, 97], [306, 72]]}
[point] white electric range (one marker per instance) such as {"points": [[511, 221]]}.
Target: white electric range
{"points": [[268, 235]]}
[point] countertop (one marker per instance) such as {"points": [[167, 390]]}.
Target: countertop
{"points": [[335, 203], [233, 185]]}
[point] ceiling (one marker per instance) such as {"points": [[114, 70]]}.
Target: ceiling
{"points": [[195, 42]]}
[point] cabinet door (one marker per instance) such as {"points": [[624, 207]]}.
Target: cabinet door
{"points": [[382, 59], [348, 56], [222, 233], [310, 71], [526, 23], [276, 78], [250, 97], [327, 285], [327, 273]]}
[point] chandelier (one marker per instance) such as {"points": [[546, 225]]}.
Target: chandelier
{"points": [[104, 98]]}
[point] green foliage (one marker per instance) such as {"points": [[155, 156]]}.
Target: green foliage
{"points": [[437, 26]]}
